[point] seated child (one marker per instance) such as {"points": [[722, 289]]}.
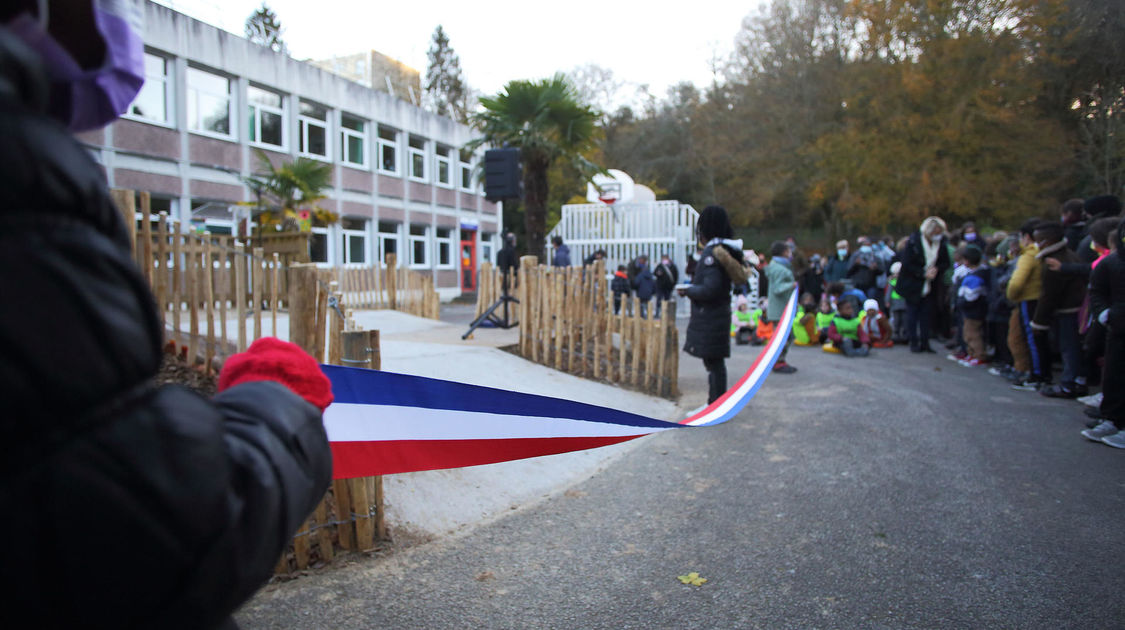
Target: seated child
{"points": [[846, 332], [763, 328], [824, 314], [742, 324], [876, 326], [897, 306], [805, 331]]}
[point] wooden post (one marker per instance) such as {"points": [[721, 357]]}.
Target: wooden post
{"points": [[177, 279], [224, 274], [302, 305], [322, 313], [354, 345], [258, 278], [161, 285], [638, 341], [392, 282], [240, 296], [126, 204], [146, 236], [667, 320], [275, 290], [193, 301], [209, 296]]}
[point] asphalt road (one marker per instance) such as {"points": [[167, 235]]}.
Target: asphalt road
{"points": [[896, 491]]}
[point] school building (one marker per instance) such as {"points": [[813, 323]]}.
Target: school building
{"points": [[212, 100]]}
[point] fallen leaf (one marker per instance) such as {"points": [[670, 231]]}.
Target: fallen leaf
{"points": [[693, 579]]}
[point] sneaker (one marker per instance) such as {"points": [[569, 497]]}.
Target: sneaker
{"points": [[1000, 370], [1027, 384], [1103, 429], [1093, 400], [1062, 391], [960, 355], [782, 367], [1015, 375], [972, 362], [1117, 440]]}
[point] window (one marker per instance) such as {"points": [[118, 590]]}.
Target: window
{"points": [[417, 158], [353, 140], [318, 242], [208, 103], [354, 241], [267, 119], [466, 181], [486, 247], [388, 150], [443, 238], [312, 125], [444, 166], [419, 245], [388, 240], [152, 103]]}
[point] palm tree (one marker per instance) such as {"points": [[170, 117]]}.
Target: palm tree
{"points": [[290, 190], [546, 121]]}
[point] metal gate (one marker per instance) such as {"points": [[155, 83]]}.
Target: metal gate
{"points": [[627, 230]]}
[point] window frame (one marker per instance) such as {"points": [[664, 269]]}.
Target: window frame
{"points": [[232, 119], [392, 144], [448, 242], [166, 81], [346, 234], [442, 158], [424, 238], [412, 152], [381, 236], [304, 122], [254, 120], [346, 133]]}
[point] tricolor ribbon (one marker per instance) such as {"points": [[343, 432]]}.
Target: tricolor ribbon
{"points": [[382, 423]]}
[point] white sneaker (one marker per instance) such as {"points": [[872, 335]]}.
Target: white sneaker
{"points": [[1093, 400], [1117, 440], [1102, 430]]}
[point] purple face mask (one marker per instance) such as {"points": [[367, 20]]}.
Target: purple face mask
{"points": [[89, 99]]}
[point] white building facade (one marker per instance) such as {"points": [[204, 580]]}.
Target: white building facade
{"points": [[213, 100]]}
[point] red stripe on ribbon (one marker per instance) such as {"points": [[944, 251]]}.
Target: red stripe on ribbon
{"points": [[368, 459]]}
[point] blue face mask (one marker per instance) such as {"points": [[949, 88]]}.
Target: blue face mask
{"points": [[971, 236], [841, 252], [866, 249]]}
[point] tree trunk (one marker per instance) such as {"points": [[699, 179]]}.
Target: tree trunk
{"points": [[535, 205]]}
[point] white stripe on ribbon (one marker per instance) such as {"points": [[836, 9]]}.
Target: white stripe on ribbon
{"points": [[769, 356], [353, 422]]}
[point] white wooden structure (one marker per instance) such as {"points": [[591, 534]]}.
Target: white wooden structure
{"points": [[627, 230]]}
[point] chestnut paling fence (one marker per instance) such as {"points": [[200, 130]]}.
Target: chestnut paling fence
{"points": [[216, 295], [566, 321]]}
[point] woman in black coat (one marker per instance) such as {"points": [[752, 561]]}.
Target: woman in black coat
{"points": [[925, 257], [720, 266]]}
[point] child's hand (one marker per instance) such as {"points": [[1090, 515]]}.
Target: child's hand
{"points": [[1054, 264]]}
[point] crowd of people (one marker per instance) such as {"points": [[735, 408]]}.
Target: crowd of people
{"points": [[1042, 306]]}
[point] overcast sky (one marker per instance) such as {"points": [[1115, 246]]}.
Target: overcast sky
{"points": [[653, 43]]}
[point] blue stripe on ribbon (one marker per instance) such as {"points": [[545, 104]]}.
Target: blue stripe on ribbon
{"points": [[371, 387]]}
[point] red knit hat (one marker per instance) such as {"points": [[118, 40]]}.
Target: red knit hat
{"points": [[271, 359]]}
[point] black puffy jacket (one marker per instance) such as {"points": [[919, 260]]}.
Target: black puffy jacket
{"points": [[708, 330], [126, 505], [1107, 291]]}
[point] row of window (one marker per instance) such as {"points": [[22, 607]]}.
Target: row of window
{"points": [[211, 100], [421, 250]]}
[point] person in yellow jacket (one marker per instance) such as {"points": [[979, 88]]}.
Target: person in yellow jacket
{"points": [[1023, 292]]}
